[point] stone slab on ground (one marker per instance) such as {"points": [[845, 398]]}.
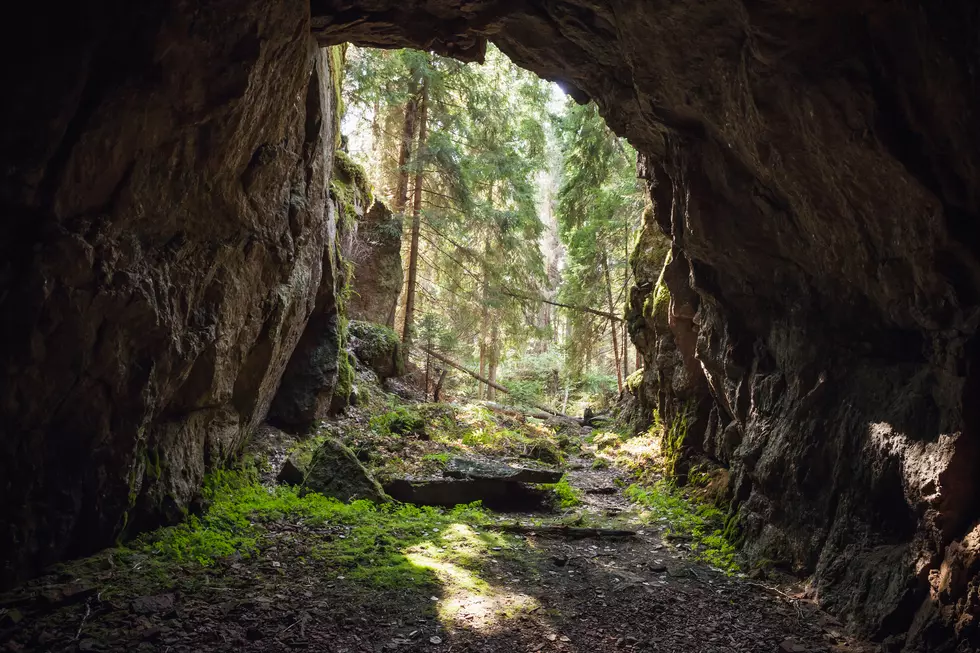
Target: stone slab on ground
{"points": [[495, 494], [491, 470]]}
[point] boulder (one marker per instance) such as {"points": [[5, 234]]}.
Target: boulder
{"points": [[375, 251], [295, 467], [336, 472], [491, 470], [378, 347]]}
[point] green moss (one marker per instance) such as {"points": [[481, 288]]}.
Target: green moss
{"points": [[376, 549], [672, 445], [376, 340], [400, 421], [336, 62], [345, 376], [565, 496], [350, 172], [634, 381], [705, 524]]}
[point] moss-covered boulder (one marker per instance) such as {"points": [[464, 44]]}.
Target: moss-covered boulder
{"points": [[336, 472], [294, 470], [545, 451], [377, 347]]}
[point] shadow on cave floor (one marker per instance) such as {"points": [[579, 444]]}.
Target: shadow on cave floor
{"points": [[463, 587]]}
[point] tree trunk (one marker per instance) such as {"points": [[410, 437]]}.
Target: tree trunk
{"points": [[494, 360], [484, 393], [404, 154], [413, 257], [438, 389], [612, 324]]}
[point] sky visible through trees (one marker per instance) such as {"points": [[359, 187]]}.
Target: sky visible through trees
{"points": [[519, 210]]}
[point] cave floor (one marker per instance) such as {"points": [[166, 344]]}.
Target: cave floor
{"points": [[527, 592]]}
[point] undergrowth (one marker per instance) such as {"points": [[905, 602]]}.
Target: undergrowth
{"points": [[565, 496], [705, 524]]}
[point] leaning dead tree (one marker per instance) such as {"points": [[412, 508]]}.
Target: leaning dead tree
{"points": [[496, 386]]}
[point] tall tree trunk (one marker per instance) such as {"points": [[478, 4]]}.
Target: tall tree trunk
{"points": [[494, 360], [484, 316], [613, 327], [413, 257], [405, 153]]}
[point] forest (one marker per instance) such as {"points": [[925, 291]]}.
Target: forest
{"points": [[520, 209]]}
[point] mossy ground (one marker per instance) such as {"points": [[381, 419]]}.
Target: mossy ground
{"points": [[418, 439], [697, 513]]}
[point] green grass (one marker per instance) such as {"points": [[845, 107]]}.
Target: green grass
{"points": [[703, 523]]}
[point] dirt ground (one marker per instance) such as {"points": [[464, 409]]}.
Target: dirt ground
{"points": [[534, 593]]}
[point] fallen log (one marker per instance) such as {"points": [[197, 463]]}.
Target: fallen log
{"points": [[512, 411], [571, 532], [496, 386]]}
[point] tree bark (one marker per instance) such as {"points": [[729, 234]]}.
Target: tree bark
{"points": [[404, 154], [413, 257], [612, 324], [494, 360]]}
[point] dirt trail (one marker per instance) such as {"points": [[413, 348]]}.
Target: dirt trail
{"points": [[528, 593]]}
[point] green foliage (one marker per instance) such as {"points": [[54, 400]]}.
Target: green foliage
{"points": [[403, 420], [567, 496], [704, 523], [480, 230], [599, 209]]}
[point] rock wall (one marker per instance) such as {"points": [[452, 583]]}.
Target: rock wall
{"points": [[816, 167], [163, 174]]}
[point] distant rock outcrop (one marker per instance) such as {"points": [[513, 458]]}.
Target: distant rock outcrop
{"points": [[375, 253]]}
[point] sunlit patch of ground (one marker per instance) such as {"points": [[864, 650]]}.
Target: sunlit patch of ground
{"points": [[468, 600]]}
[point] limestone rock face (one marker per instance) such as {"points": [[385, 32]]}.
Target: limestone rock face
{"points": [[816, 167], [376, 253], [377, 347], [163, 176]]}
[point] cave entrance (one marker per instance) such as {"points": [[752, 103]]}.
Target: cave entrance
{"points": [[515, 210]]}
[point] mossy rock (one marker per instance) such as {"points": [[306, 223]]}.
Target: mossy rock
{"points": [[546, 452], [377, 347], [336, 472], [606, 440], [294, 470]]}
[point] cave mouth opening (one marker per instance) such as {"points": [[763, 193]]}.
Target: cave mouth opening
{"points": [[519, 210]]}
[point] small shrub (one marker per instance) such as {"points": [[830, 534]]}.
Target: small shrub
{"points": [[565, 496], [400, 421]]}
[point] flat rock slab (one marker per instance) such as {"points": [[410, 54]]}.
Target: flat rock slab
{"points": [[494, 493], [489, 470]]}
